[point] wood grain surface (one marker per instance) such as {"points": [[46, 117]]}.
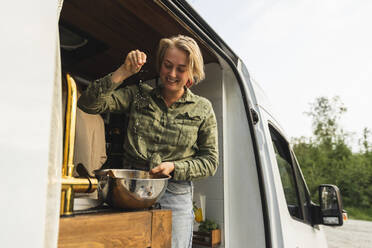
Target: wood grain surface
{"points": [[131, 229], [161, 228]]}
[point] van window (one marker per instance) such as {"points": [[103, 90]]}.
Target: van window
{"points": [[287, 173], [302, 190]]}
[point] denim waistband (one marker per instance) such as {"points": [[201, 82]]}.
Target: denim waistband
{"points": [[179, 187]]}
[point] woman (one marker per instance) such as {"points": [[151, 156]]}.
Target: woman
{"points": [[171, 131]]}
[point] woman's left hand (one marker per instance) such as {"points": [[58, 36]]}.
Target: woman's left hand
{"points": [[164, 168]]}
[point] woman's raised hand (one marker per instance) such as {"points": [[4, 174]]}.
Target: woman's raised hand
{"points": [[132, 65], [134, 61]]}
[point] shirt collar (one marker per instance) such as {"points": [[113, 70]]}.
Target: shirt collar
{"points": [[187, 97]]}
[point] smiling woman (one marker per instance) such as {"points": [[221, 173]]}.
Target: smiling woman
{"points": [[171, 131], [194, 59], [180, 63], [173, 74]]}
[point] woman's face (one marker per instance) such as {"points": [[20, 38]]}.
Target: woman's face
{"points": [[173, 70]]}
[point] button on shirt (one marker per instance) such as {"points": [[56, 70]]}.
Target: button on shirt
{"points": [[184, 133]]}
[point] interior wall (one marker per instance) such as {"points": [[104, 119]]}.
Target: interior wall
{"points": [[212, 187]]}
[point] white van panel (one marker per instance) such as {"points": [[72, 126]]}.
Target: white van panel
{"points": [[295, 233], [28, 59], [243, 211]]}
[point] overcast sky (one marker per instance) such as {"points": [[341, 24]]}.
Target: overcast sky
{"points": [[298, 50]]}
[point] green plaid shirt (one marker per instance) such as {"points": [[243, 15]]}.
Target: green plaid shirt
{"points": [[184, 133]]}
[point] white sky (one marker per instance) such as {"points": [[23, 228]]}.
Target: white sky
{"points": [[298, 50]]}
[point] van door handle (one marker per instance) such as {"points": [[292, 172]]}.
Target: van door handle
{"points": [[254, 116]]}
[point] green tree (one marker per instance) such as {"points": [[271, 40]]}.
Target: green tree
{"points": [[325, 114], [327, 158], [364, 141]]}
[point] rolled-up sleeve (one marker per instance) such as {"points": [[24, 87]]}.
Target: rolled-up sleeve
{"points": [[205, 161], [101, 96]]}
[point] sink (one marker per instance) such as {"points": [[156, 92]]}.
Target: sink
{"points": [[84, 203]]}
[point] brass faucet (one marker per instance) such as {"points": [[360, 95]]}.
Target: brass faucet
{"points": [[71, 184]]}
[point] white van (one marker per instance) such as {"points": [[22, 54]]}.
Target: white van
{"points": [[258, 196]]}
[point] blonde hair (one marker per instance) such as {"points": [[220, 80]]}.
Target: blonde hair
{"points": [[195, 65]]}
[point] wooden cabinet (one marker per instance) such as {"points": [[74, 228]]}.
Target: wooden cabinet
{"points": [[207, 239], [151, 228]]}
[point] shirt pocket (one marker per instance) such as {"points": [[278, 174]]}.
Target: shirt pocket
{"points": [[188, 124]]}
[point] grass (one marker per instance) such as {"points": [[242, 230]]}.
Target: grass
{"points": [[359, 213]]}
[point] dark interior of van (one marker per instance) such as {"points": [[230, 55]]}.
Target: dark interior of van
{"points": [[95, 37]]}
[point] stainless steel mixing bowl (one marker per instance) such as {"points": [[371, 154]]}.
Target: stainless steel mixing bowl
{"points": [[129, 189]]}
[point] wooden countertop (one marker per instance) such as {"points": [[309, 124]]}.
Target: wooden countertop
{"points": [[152, 228]]}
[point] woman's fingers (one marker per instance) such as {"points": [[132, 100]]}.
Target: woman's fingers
{"points": [[157, 169], [135, 60], [138, 58], [164, 168], [143, 57]]}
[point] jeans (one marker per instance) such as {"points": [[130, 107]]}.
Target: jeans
{"points": [[178, 198]]}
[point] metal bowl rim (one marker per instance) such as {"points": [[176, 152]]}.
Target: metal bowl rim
{"points": [[130, 170]]}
